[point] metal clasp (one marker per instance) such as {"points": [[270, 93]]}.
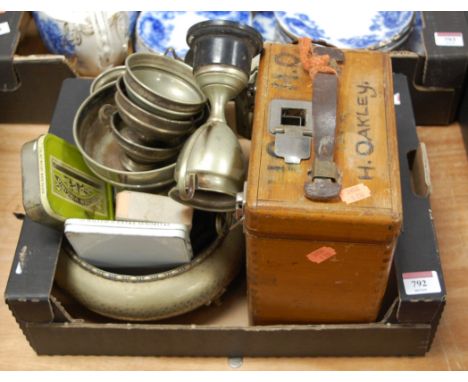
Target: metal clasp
{"points": [[291, 123]]}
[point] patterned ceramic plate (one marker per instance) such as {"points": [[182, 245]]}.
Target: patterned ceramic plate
{"points": [[266, 24], [364, 29], [157, 31]]}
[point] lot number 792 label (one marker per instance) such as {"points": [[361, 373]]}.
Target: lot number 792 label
{"points": [[421, 282]]}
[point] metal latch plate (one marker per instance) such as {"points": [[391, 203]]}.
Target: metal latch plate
{"points": [[291, 123]]}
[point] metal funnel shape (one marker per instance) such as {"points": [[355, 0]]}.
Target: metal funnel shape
{"points": [[210, 169]]}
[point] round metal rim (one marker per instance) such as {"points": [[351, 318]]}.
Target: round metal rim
{"points": [[169, 65], [93, 164], [217, 270], [107, 77], [174, 194], [154, 108], [165, 153], [142, 187], [126, 106], [225, 27], [151, 277]]}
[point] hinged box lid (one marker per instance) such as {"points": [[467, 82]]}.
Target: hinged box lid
{"points": [[366, 152]]}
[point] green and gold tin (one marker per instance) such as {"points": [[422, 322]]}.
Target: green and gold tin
{"points": [[57, 184]]}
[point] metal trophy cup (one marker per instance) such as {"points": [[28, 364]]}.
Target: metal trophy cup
{"points": [[210, 170]]}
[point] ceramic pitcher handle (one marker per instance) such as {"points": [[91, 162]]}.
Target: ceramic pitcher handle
{"points": [[102, 34]]}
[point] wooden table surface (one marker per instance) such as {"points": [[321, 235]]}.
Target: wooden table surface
{"points": [[449, 172]]}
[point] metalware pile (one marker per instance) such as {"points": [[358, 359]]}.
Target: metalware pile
{"points": [[146, 124]]}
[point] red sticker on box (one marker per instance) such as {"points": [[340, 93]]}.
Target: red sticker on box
{"points": [[355, 193], [421, 282], [448, 38], [320, 255]]}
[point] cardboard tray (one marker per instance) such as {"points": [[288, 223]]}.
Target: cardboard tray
{"points": [[53, 323], [436, 74], [30, 77]]}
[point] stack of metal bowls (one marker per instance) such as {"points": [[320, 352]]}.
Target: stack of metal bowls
{"points": [[158, 105], [136, 120]]}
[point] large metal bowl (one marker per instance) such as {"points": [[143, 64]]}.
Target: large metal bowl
{"points": [[153, 296], [163, 81], [138, 152], [100, 150], [152, 126]]}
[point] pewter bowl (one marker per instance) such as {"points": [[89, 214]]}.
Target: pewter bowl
{"points": [[141, 153], [107, 77], [101, 151], [162, 81], [151, 126]]}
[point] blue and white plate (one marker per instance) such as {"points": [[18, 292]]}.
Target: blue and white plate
{"points": [[265, 23], [363, 29], [157, 31]]}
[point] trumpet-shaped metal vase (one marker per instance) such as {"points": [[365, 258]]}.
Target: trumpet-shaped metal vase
{"points": [[210, 169]]}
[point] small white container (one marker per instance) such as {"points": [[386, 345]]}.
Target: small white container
{"points": [[151, 208], [119, 244]]}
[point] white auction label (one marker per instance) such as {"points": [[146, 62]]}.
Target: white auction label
{"points": [[448, 38], [397, 99], [421, 282], [4, 28]]}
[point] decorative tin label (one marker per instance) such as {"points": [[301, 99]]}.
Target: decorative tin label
{"points": [[76, 187], [449, 39], [421, 282], [4, 28]]}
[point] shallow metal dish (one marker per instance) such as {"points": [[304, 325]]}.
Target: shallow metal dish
{"points": [[107, 77], [155, 108], [100, 150], [163, 81], [151, 126], [139, 152]]}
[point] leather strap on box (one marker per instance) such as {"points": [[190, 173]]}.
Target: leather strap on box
{"points": [[325, 178]]}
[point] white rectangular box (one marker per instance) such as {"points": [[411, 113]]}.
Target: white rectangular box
{"points": [[118, 244]]}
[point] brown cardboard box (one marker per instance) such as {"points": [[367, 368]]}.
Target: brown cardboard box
{"points": [[436, 74], [30, 77], [55, 324]]}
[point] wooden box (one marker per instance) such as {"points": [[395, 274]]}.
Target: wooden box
{"points": [[288, 281]]}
